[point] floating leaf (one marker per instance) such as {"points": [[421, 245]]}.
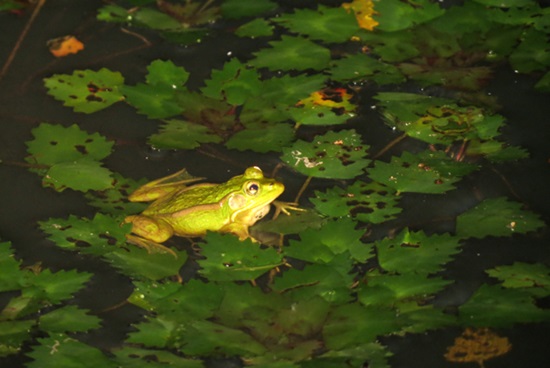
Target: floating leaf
{"points": [[82, 175], [69, 318], [159, 97], [363, 10], [532, 277], [394, 15], [255, 28], [415, 252], [335, 237], [496, 217], [13, 334], [61, 351], [54, 144], [228, 258], [246, 8], [235, 83], [533, 53], [292, 53], [130, 356], [426, 172], [367, 202], [492, 305], [114, 200], [181, 134], [365, 67], [86, 91], [262, 137], [100, 235], [333, 155], [324, 24]]}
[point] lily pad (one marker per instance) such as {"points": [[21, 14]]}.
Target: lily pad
{"points": [[182, 134], [292, 53], [534, 278], [86, 91], [228, 258], [497, 217], [416, 252], [335, 155], [262, 137], [255, 28], [395, 15], [367, 202]]}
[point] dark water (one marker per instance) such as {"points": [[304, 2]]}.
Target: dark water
{"points": [[24, 104]]}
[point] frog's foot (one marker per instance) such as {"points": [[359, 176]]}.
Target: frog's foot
{"points": [[284, 207], [149, 245]]}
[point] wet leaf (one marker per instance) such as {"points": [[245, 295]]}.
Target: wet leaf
{"points": [[260, 137], [534, 278], [61, 351], [496, 217], [69, 318], [246, 8], [292, 53], [395, 15], [100, 235], [335, 155], [228, 258], [235, 83], [86, 91], [323, 24], [335, 237], [367, 202], [255, 28], [416, 252], [182, 134], [492, 305], [426, 172]]}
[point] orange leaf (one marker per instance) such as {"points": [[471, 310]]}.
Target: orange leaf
{"points": [[364, 10], [63, 46]]}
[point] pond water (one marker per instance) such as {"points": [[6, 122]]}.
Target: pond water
{"points": [[25, 104]]}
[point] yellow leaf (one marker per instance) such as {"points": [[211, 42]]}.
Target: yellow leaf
{"points": [[363, 9]]}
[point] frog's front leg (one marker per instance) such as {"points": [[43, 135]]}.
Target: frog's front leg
{"points": [[149, 233]]}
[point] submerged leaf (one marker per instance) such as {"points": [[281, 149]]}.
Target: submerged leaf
{"points": [[182, 134], [496, 217]]}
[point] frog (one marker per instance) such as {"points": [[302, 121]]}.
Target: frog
{"points": [[185, 210]]}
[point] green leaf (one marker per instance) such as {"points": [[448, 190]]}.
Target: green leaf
{"points": [[154, 19], [533, 53], [365, 67], [324, 24], [113, 201], [262, 137], [82, 175], [161, 72], [543, 84], [534, 278], [335, 237], [492, 305], [426, 172], [233, 9], [13, 334], [100, 235], [181, 134], [255, 28], [415, 252], [318, 115], [207, 338], [388, 289], [86, 91], [366, 202], [54, 144], [228, 258], [234, 83], [10, 274], [335, 155], [58, 286], [505, 3], [68, 319], [139, 263], [113, 13], [61, 351], [353, 324], [395, 15], [292, 53], [130, 356], [496, 217]]}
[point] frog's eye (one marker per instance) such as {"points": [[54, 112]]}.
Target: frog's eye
{"points": [[252, 188]]}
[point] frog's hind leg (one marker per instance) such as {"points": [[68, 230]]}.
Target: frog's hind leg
{"points": [[163, 186], [149, 233]]}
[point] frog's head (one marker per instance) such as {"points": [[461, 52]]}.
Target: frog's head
{"points": [[250, 201]]}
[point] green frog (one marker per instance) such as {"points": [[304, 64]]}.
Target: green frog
{"points": [[189, 211]]}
